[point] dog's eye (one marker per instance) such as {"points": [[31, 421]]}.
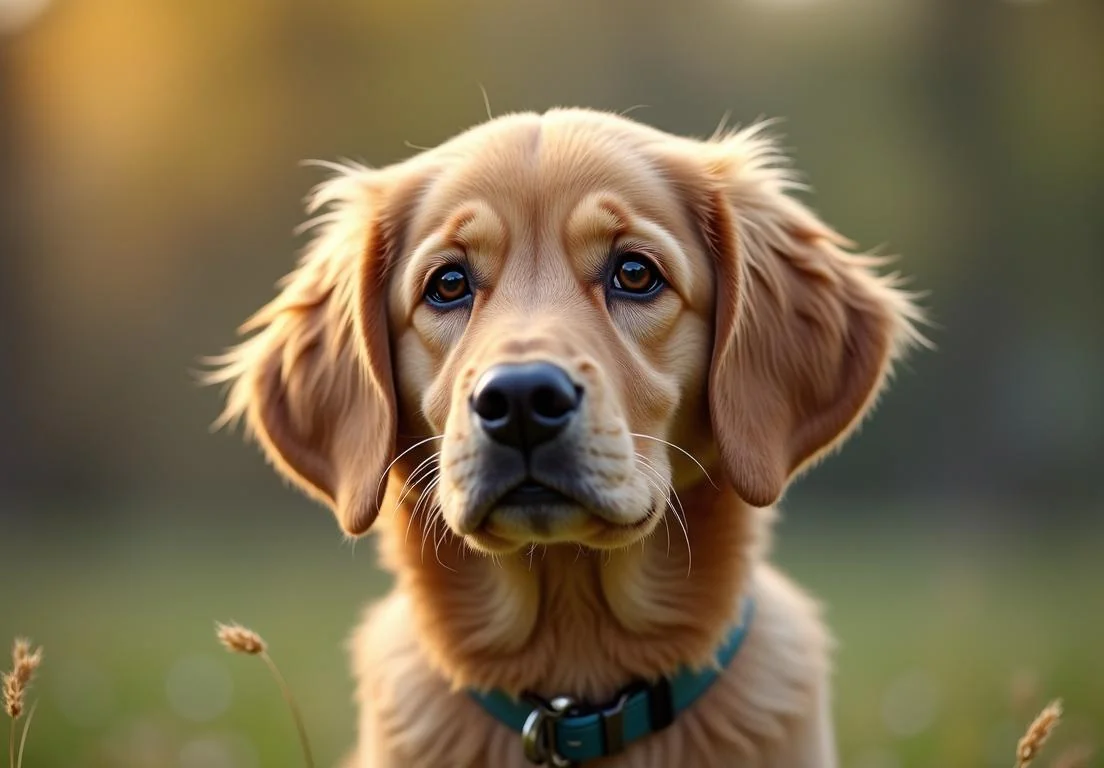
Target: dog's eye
{"points": [[637, 275], [448, 286]]}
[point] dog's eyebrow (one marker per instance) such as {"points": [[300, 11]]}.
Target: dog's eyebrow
{"points": [[595, 218], [475, 226], [600, 221]]}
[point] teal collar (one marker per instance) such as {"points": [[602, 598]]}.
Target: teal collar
{"points": [[562, 732]]}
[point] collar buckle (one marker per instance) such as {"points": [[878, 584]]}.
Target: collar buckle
{"points": [[538, 735], [613, 722]]}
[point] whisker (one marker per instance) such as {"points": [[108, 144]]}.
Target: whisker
{"points": [[667, 529], [667, 484], [681, 450], [425, 500], [424, 523], [667, 503], [397, 458], [689, 551], [414, 512], [439, 515], [424, 462], [427, 521], [681, 519], [409, 522], [430, 469]]}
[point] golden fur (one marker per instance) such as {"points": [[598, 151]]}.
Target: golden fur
{"points": [[767, 347]]}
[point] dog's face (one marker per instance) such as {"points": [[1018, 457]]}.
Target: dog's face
{"points": [[540, 307], [551, 319]]}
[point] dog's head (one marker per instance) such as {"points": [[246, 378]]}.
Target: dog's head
{"points": [[553, 320]]}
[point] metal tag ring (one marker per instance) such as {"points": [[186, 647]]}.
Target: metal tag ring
{"points": [[533, 737], [538, 735]]}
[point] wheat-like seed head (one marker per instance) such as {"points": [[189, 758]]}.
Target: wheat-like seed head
{"points": [[1037, 733], [21, 648], [13, 696], [239, 639], [25, 662]]}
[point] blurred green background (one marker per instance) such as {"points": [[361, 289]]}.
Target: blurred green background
{"points": [[149, 186]]}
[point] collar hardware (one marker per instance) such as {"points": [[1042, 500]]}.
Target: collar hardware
{"points": [[613, 726], [563, 732], [538, 734]]}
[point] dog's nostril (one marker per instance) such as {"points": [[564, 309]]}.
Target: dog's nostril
{"points": [[492, 405], [525, 404], [553, 402]]}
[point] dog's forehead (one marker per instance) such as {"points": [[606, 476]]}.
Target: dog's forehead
{"points": [[535, 170]]}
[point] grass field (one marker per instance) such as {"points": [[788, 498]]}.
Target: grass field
{"points": [[948, 643]]}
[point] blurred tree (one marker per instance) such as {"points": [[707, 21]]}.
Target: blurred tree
{"points": [[154, 151], [959, 87]]}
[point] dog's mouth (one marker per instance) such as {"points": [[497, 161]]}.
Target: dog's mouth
{"points": [[532, 512], [532, 493]]}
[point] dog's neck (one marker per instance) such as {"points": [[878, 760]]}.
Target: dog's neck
{"points": [[564, 620]]}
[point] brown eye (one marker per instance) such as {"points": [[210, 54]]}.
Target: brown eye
{"points": [[637, 275], [448, 286]]}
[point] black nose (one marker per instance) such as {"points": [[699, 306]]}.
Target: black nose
{"points": [[525, 405]]}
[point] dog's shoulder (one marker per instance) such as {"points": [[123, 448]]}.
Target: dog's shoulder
{"points": [[772, 698], [409, 715]]}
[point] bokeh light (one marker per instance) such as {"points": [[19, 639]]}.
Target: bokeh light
{"points": [[15, 15]]}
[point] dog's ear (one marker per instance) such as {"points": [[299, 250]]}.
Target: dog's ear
{"points": [[314, 381], [805, 332]]}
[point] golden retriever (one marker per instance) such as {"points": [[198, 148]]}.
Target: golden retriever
{"points": [[564, 363]]}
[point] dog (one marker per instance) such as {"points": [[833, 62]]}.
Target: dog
{"points": [[565, 363]]}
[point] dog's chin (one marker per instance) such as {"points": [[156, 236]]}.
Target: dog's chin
{"points": [[511, 527]]}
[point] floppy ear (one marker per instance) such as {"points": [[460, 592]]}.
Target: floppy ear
{"points": [[806, 332], [314, 381]]}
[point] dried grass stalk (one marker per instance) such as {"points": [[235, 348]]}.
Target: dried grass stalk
{"points": [[1037, 733], [239, 639], [23, 736], [25, 662]]}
